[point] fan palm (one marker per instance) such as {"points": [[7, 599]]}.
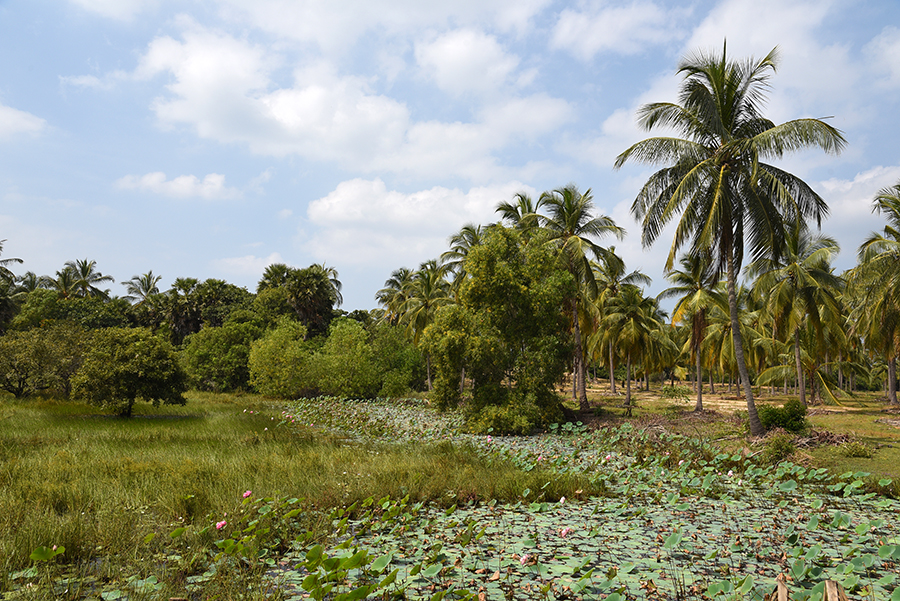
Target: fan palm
{"points": [[572, 225], [715, 177]]}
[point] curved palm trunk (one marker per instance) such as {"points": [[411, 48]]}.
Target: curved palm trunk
{"points": [[578, 362], [756, 427], [699, 405], [612, 370], [801, 380]]}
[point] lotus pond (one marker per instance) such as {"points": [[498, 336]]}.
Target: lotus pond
{"points": [[675, 518]]}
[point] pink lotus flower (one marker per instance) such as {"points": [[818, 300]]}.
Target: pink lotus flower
{"points": [[566, 532], [220, 525], [247, 493], [524, 559], [562, 500]]}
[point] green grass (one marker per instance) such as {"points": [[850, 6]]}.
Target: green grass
{"points": [[99, 485]]}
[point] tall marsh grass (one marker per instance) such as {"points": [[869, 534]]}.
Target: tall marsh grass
{"points": [[100, 485]]}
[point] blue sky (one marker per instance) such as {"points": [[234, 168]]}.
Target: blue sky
{"points": [[211, 138]]}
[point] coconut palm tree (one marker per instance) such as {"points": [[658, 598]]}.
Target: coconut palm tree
{"points": [[453, 260], [876, 280], [394, 295], [522, 213], [428, 291], [141, 287], [65, 283], [572, 227], [800, 288], [714, 175], [87, 277], [5, 273], [609, 275], [633, 317], [698, 289]]}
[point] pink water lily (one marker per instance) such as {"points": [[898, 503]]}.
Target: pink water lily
{"points": [[524, 559], [220, 525], [247, 493], [566, 532]]}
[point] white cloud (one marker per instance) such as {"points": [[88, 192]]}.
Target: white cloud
{"points": [[122, 10], [334, 27], [14, 121], [248, 265], [625, 29], [221, 87], [465, 60], [211, 187], [885, 52], [363, 223]]}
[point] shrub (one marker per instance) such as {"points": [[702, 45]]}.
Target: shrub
{"points": [[855, 448], [124, 365], [279, 362], [41, 358], [217, 359], [778, 447], [790, 417], [511, 418]]}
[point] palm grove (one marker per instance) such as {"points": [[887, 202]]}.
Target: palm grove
{"points": [[498, 321]]}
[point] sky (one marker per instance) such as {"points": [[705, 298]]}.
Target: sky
{"points": [[211, 138]]}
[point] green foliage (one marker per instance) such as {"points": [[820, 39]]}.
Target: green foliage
{"points": [[41, 358], [401, 364], [91, 312], [507, 331], [122, 366], [279, 362], [346, 364], [778, 448], [854, 448], [216, 359], [790, 417], [272, 304], [675, 393]]}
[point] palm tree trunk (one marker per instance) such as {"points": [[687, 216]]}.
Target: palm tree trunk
{"points": [[800, 378], [699, 405], [756, 427], [612, 370], [892, 380], [628, 387], [581, 390]]}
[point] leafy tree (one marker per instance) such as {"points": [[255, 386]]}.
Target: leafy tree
{"points": [[217, 358], [126, 365], [280, 361], [428, 291], [346, 366], [23, 357], [400, 363], [508, 330], [715, 177]]}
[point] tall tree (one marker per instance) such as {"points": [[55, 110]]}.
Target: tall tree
{"points": [[715, 177], [573, 228], [429, 290], [453, 260], [395, 293], [610, 276], [697, 286], [876, 280], [141, 287], [87, 277], [5, 273], [522, 213], [800, 288]]}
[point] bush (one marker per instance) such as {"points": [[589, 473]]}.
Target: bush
{"points": [[124, 365], [279, 362], [855, 448], [778, 447], [511, 418], [217, 359], [790, 417], [41, 358]]}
